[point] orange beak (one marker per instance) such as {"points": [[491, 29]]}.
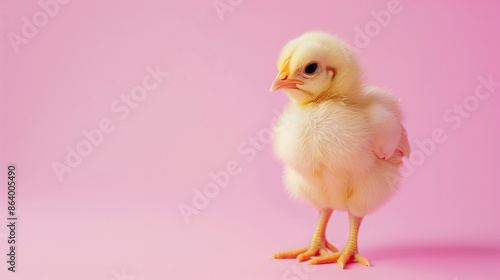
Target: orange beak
{"points": [[282, 81]]}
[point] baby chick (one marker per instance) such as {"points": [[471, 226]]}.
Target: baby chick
{"points": [[344, 148]]}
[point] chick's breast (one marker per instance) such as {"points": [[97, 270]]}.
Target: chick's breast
{"points": [[323, 145]]}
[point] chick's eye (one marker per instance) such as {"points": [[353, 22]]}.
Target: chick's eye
{"points": [[311, 68]]}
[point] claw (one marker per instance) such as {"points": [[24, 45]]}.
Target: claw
{"points": [[328, 258], [360, 259], [318, 246], [306, 253], [317, 251], [312, 252], [289, 254], [341, 258]]}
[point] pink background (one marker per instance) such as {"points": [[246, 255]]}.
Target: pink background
{"points": [[118, 211]]}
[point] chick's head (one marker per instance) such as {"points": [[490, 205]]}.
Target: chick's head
{"points": [[317, 66]]}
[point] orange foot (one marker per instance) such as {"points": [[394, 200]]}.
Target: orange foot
{"points": [[304, 254], [341, 258]]}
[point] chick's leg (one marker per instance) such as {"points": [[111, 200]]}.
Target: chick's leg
{"points": [[350, 251], [318, 244]]}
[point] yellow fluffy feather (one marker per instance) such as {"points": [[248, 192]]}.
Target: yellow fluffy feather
{"points": [[345, 146]]}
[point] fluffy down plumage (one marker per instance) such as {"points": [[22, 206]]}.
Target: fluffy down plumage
{"points": [[344, 147]]}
